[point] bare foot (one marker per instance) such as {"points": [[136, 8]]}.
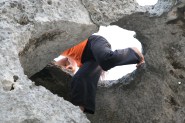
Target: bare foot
{"points": [[142, 61]]}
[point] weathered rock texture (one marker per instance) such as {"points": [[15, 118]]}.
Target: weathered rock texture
{"points": [[103, 12], [54, 79], [106, 11], [157, 94], [33, 32], [154, 93]]}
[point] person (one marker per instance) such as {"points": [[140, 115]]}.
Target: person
{"points": [[93, 56]]}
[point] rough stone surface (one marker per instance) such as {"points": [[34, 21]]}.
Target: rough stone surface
{"points": [[54, 79], [160, 7], [32, 33], [154, 93], [37, 105], [104, 12], [51, 27]]}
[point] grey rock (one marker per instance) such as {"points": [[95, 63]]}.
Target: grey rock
{"points": [[176, 14], [29, 29], [162, 6], [153, 94], [104, 12], [34, 32], [54, 79]]}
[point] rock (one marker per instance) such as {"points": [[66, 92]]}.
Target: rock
{"points": [[162, 6], [32, 34], [35, 32], [176, 14], [104, 12], [54, 79], [152, 93], [36, 104], [51, 24]]}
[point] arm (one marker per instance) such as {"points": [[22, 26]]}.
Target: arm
{"points": [[72, 66]]}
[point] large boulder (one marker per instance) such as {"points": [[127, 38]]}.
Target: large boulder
{"points": [[32, 34], [155, 92], [103, 12]]}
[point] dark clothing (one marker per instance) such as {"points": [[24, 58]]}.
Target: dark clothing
{"points": [[97, 56], [84, 84]]}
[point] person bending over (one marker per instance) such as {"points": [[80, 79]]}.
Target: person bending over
{"points": [[93, 56]]}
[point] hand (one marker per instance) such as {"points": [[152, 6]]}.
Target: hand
{"points": [[62, 62], [67, 64]]}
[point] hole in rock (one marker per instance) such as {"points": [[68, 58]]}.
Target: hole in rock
{"points": [[57, 81], [15, 77], [146, 2], [119, 38], [49, 2]]}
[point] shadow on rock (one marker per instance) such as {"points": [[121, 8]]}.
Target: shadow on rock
{"points": [[54, 79]]}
